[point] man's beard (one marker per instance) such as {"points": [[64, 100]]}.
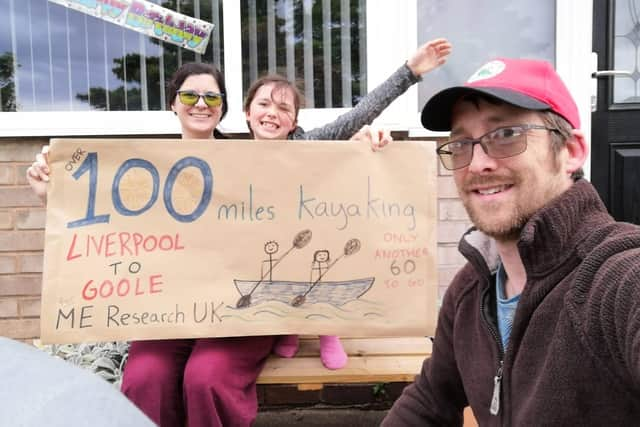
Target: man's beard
{"points": [[507, 231], [522, 209], [510, 228]]}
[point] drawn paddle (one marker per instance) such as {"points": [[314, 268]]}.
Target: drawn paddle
{"points": [[299, 242], [350, 248]]}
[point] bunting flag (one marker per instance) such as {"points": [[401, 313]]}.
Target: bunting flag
{"points": [[149, 19]]}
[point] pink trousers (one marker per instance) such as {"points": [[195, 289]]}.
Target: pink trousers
{"points": [[207, 382]]}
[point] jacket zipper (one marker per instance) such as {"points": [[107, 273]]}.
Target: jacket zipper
{"points": [[495, 399], [494, 409]]}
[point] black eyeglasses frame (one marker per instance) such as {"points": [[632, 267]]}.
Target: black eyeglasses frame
{"points": [[445, 156]]}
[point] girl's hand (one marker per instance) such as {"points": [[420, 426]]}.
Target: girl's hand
{"points": [[430, 55], [377, 138]]}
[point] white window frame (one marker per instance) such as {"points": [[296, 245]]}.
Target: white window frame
{"points": [[391, 38]]}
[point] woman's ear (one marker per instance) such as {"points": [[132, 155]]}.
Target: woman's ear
{"points": [[577, 151]]}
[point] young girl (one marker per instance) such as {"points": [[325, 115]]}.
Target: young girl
{"points": [[271, 109]]}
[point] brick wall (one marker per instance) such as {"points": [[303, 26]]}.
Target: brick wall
{"points": [[22, 219], [453, 221]]}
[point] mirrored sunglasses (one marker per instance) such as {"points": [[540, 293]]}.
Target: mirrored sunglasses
{"points": [[191, 98]]}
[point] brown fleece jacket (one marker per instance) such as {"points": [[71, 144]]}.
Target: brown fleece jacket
{"points": [[573, 357]]}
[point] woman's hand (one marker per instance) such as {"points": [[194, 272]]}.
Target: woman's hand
{"points": [[38, 173], [430, 55], [377, 138]]}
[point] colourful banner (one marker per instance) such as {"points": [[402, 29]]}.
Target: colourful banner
{"points": [[167, 239], [149, 19]]}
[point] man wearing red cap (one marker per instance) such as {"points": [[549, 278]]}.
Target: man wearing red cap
{"points": [[542, 325]]}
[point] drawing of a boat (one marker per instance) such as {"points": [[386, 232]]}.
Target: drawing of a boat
{"points": [[334, 293]]}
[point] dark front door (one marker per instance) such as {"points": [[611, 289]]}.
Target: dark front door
{"points": [[615, 132]]}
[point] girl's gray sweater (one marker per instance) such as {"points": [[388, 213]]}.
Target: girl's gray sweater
{"points": [[365, 111]]}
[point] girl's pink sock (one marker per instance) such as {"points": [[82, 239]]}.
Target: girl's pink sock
{"points": [[286, 346], [332, 353]]}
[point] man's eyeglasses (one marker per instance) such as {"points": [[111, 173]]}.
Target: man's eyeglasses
{"points": [[498, 144], [191, 98]]}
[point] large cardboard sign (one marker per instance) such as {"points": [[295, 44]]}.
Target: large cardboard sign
{"points": [[151, 239]]}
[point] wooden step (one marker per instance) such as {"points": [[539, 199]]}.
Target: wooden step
{"points": [[310, 346], [371, 360]]}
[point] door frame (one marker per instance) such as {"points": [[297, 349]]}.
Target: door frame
{"points": [[575, 60]]}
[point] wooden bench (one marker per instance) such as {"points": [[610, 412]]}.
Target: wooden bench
{"points": [[371, 360]]}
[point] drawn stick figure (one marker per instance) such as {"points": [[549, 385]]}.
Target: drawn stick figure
{"points": [[319, 265], [270, 248]]}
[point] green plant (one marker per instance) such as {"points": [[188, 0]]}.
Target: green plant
{"points": [[106, 359], [379, 390]]}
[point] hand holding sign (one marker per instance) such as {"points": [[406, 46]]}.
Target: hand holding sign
{"points": [[38, 173]]}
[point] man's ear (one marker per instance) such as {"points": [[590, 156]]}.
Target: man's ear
{"points": [[577, 151]]}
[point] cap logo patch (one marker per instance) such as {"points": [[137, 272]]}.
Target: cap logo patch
{"points": [[487, 71]]}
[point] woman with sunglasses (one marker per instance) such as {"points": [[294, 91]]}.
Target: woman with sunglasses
{"points": [[271, 110], [197, 96], [199, 382]]}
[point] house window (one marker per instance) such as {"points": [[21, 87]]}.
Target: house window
{"points": [[318, 44], [57, 59], [66, 73], [484, 30]]}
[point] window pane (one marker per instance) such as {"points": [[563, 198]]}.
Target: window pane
{"points": [[318, 44], [626, 50], [480, 31], [7, 70], [53, 58]]}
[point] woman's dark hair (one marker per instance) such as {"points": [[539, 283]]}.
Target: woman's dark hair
{"points": [[195, 68]]}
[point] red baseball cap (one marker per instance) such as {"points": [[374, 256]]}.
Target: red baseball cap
{"points": [[525, 83]]}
